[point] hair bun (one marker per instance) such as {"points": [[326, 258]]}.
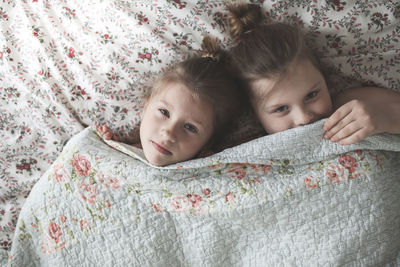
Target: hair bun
{"points": [[211, 49], [242, 18]]}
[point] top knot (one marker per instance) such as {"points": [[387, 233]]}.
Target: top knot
{"points": [[211, 49], [243, 18]]}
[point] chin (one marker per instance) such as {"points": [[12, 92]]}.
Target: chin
{"points": [[157, 163]]}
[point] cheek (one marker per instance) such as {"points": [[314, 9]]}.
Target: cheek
{"points": [[208, 136], [276, 124], [268, 122], [325, 106], [147, 124], [329, 106], [142, 130], [264, 119], [273, 124], [191, 146]]}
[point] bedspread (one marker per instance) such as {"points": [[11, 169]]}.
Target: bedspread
{"points": [[290, 198], [65, 65]]}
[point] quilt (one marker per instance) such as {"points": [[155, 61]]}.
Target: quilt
{"points": [[290, 198], [66, 65]]}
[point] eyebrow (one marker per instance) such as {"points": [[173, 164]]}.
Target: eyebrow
{"points": [[279, 105], [197, 122], [165, 103], [191, 119], [315, 85]]}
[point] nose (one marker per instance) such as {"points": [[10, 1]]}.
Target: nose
{"points": [[168, 132], [303, 117]]}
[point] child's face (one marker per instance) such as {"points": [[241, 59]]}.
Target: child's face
{"points": [[297, 98], [175, 125]]}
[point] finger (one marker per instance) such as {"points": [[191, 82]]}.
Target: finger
{"points": [[115, 138], [346, 131], [108, 135], [339, 126], [99, 129], [338, 115], [354, 138], [105, 128]]}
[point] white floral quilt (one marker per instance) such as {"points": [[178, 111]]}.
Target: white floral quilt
{"points": [[65, 65], [290, 198]]}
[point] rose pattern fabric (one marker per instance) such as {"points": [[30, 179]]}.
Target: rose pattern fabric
{"points": [[305, 184], [248, 176], [68, 64]]}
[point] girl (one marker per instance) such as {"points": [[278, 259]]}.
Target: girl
{"points": [[189, 107], [287, 88]]}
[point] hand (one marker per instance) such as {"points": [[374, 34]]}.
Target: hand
{"points": [[361, 112], [354, 121], [105, 132]]}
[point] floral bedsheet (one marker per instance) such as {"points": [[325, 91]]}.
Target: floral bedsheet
{"points": [[290, 198], [65, 65]]}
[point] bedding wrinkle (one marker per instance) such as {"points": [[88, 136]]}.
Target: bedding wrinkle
{"points": [[266, 216], [285, 199]]}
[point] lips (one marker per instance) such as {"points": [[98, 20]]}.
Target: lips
{"points": [[160, 148]]}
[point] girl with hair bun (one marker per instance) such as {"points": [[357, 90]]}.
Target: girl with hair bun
{"points": [[287, 88], [189, 107]]}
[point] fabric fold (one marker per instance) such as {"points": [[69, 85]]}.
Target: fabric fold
{"points": [[284, 198]]}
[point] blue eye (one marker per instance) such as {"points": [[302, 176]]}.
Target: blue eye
{"points": [[164, 112], [190, 128], [312, 95], [281, 109]]}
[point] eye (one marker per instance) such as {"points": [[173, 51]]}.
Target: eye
{"points": [[312, 95], [164, 112], [280, 109], [190, 128]]}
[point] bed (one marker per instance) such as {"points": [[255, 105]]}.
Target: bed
{"points": [[66, 65]]}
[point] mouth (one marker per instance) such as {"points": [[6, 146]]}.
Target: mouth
{"points": [[161, 149]]}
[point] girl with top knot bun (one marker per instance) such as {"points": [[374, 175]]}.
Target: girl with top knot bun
{"points": [[286, 86]]}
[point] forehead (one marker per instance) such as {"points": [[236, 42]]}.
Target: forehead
{"points": [[263, 88], [300, 75], [181, 99], [175, 92]]}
